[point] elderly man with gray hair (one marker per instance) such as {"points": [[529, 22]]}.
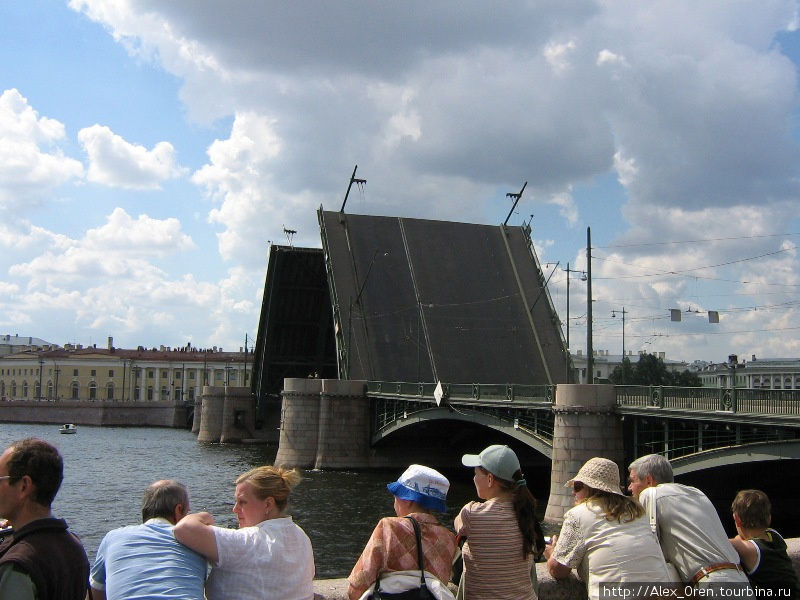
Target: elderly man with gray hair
{"points": [[145, 561], [687, 525]]}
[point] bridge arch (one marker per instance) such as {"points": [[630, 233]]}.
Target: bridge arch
{"points": [[736, 455], [472, 417]]}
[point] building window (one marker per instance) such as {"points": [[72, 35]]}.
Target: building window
{"points": [[177, 374], [75, 391], [177, 394], [24, 389], [3, 389], [150, 374], [136, 393], [150, 392], [50, 389], [110, 390], [94, 372], [233, 376], [93, 391], [111, 372], [191, 374], [13, 389], [191, 394], [164, 393], [37, 391], [219, 375], [164, 374], [74, 372]]}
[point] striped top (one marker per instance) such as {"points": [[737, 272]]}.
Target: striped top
{"points": [[494, 568]]}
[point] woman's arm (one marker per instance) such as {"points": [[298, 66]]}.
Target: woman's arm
{"points": [[195, 531], [557, 570]]}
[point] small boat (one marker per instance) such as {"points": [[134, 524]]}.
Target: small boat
{"points": [[68, 428]]}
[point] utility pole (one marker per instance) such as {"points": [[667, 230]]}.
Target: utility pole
{"points": [[352, 181], [589, 351], [516, 198]]}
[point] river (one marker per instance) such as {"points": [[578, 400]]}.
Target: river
{"points": [[106, 470]]}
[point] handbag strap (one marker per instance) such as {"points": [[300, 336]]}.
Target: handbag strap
{"points": [[419, 549], [418, 535]]}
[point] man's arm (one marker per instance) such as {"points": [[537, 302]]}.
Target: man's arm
{"points": [[195, 531]]}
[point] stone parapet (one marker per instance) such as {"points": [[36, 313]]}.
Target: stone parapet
{"points": [[549, 588]]}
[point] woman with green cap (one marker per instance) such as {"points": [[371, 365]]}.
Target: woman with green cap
{"points": [[502, 534]]}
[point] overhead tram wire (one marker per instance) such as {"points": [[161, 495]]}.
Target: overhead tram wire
{"points": [[700, 241], [683, 271]]}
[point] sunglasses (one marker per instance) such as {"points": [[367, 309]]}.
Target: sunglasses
{"points": [[577, 486]]}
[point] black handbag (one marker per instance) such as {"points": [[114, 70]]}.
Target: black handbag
{"points": [[420, 593]]}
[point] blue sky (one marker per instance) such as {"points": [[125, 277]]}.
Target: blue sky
{"points": [[150, 151]]}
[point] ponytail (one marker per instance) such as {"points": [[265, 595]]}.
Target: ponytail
{"points": [[525, 510]]}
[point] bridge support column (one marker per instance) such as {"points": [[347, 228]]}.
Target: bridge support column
{"points": [[198, 414], [343, 439], [324, 424], [212, 414], [238, 415], [586, 425]]}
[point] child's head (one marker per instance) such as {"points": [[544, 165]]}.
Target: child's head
{"points": [[753, 509]]}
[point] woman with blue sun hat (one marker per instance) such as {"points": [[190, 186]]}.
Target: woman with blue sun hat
{"points": [[502, 534], [391, 552]]}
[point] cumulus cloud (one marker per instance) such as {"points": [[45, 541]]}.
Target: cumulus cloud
{"points": [[691, 105], [33, 163], [117, 163]]}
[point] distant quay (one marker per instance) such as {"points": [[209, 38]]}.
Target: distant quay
{"points": [[106, 413]]}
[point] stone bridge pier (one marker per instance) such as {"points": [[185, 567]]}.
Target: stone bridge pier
{"points": [[325, 424], [586, 425]]}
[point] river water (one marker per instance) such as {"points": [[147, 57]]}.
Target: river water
{"points": [[106, 470]]}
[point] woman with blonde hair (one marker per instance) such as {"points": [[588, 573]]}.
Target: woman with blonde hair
{"points": [[605, 536], [269, 557]]}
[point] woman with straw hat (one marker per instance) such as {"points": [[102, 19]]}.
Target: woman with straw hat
{"points": [[605, 536]]}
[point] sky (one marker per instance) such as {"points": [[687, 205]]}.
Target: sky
{"points": [[152, 151]]}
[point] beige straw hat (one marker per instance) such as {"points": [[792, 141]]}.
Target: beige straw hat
{"points": [[600, 474]]}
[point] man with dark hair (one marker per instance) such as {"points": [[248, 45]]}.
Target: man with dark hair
{"points": [[40, 560], [686, 523], [145, 561]]}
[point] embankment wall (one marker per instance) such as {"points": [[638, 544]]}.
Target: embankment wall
{"points": [[101, 413]]}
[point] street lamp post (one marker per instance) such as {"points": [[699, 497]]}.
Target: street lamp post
{"points": [[623, 312], [583, 278], [57, 371]]}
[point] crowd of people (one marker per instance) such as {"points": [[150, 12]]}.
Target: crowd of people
{"points": [[663, 533]]}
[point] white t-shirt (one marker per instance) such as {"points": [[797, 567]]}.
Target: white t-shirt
{"points": [[691, 533], [269, 561], [605, 551]]}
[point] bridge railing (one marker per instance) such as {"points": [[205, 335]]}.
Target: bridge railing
{"points": [[741, 400], [525, 407]]}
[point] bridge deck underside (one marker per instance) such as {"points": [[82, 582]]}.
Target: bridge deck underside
{"points": [[430, 300]]}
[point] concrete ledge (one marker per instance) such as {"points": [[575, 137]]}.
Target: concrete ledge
{"points": [[549, 588]]}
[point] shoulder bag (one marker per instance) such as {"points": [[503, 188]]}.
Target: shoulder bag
{"points": [[420, 593]]}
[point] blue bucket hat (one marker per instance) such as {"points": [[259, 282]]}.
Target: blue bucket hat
{"points": [[423, 485]]}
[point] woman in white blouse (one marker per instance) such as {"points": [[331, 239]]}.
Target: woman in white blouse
{"points": [[268, 557], [605, 537]]}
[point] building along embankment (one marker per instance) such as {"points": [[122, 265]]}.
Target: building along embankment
{"points": [[549, 588]]}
